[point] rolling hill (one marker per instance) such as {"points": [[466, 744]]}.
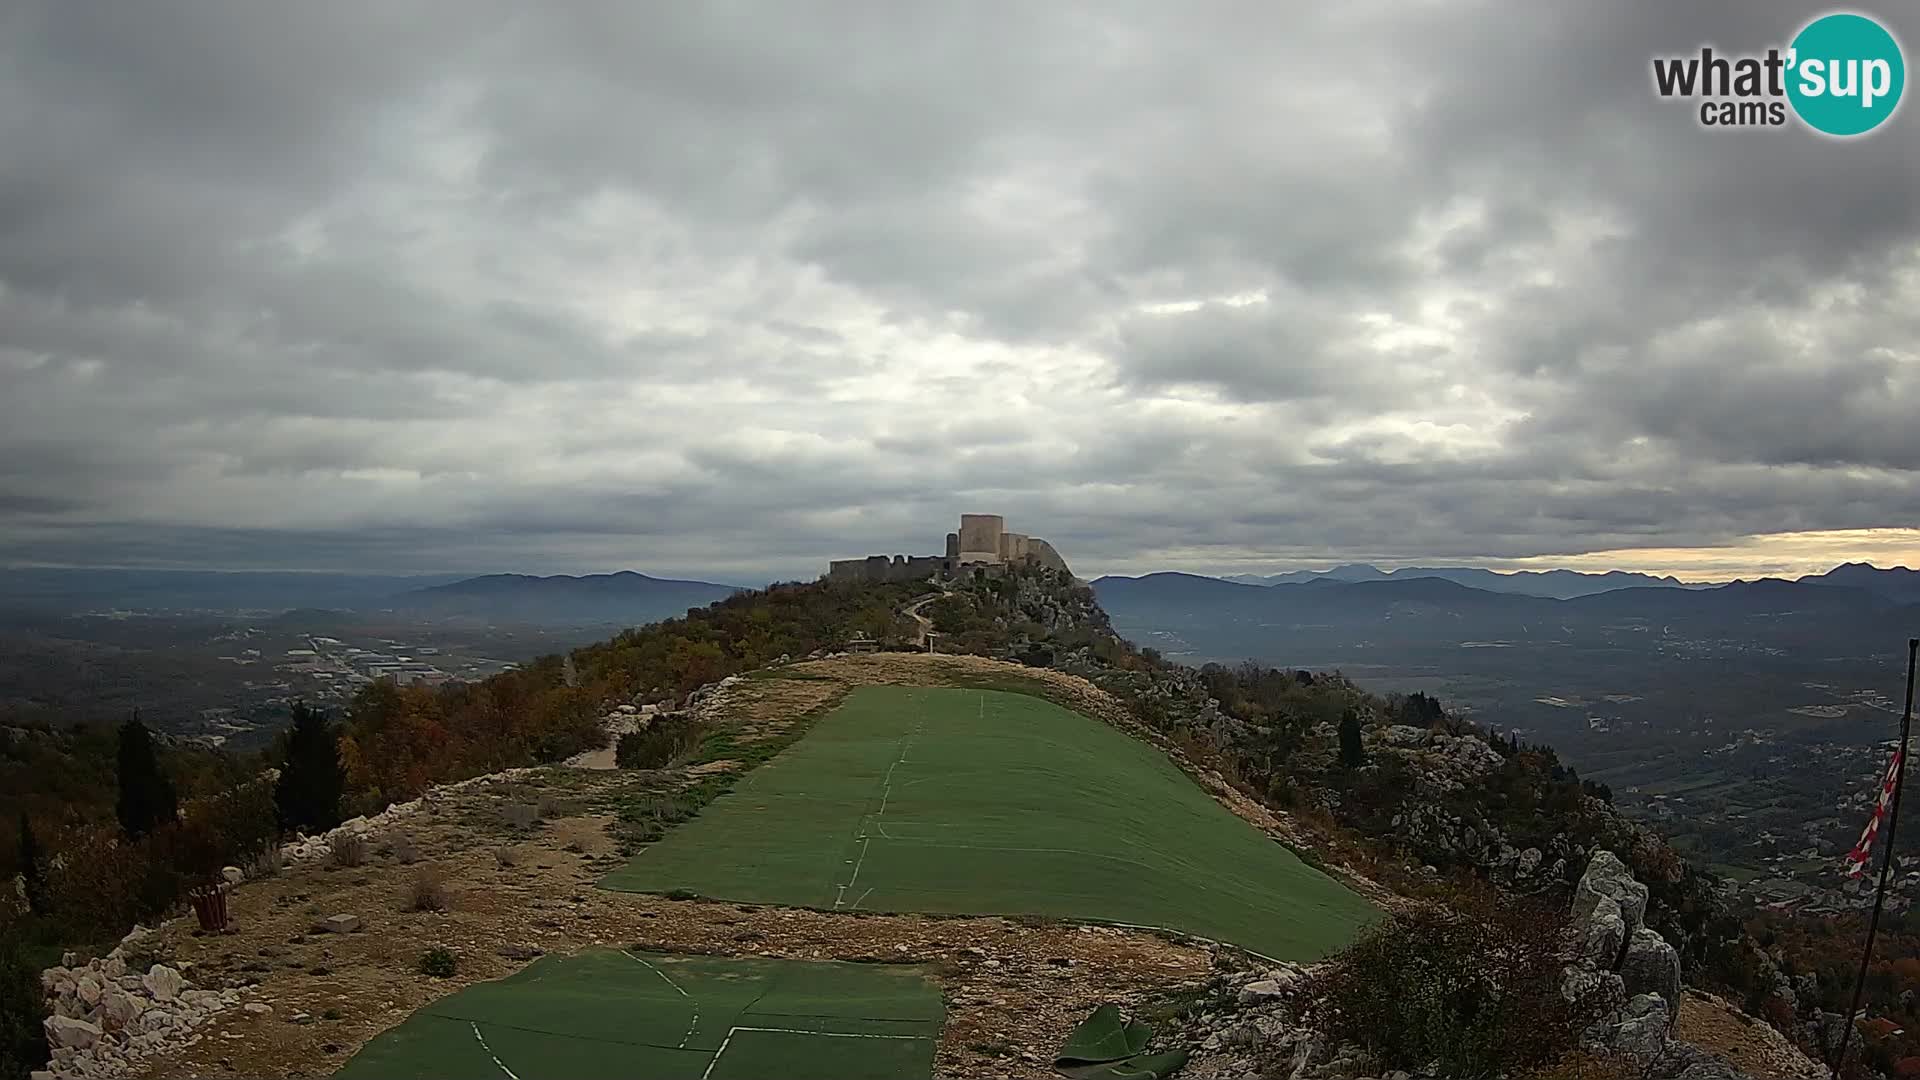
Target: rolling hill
{"points": [[625, 598]]}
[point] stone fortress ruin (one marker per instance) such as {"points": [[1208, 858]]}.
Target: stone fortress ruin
{"points": [[982, 543]]}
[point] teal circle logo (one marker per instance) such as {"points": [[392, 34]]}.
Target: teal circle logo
{"points": [[1846, 74]]}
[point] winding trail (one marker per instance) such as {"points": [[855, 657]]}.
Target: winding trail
{"points": [[924, 624]]}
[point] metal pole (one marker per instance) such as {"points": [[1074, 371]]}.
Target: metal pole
{"points": [[1886, 864]]}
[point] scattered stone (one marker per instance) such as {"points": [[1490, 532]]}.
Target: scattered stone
{"points": [[163, 982], [1529, 862], [1262, 991], [118, 1009], [232, 875], [257, 1008], [70, 1032], [520, 952], [343, 924]]}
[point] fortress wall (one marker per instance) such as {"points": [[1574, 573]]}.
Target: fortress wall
{"points": [[1040, 551], [879, 568]]}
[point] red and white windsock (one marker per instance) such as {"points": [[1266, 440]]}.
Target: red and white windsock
{"points": [[1862, 852]]}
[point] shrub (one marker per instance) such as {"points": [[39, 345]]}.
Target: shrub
{"points": [[644, 820], [23, 1009], [265, 864], [1477, 992], [102, 883], [520, 815], [242, 821], [438, 963], [347, 851], [405, 851], [427, 891], [663, 742]]}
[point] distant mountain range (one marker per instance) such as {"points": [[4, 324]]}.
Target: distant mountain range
{"points": [[1558, 584], [1896, 582], [1352, 595], [65, 590], [626, 597], [1226, 618]]}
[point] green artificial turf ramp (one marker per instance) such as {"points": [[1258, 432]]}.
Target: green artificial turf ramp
{"points": [[608, 1013], [980, 802]]}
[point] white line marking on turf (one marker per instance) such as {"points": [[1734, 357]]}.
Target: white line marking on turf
{"points": [[831, 1034], [489, 1050], [863, 897], [886, 793], [865, 841], [794, 1031], [695, 1022]]}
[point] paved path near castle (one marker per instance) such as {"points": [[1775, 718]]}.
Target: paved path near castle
{"points": [[924, 624]]}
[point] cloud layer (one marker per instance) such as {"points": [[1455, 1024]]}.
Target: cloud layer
{"points": [[732, 289]]}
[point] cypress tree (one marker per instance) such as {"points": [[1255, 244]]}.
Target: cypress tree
{"points": [[312, 778], [1352, 754], [147, 799], [30, 866]]}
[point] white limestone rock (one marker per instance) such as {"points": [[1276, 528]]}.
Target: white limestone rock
{"points": [[1608, 877], [119, 1009], [163, 982], [69, 1032]]}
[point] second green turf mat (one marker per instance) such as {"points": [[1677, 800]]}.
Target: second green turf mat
{"points": [[670, 1017], [980, 802]]}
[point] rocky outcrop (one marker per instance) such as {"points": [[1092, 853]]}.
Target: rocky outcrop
{"points": [[1603, 935], [1651, 966], [1607, 878], [104, 1019], [1624, 961]]}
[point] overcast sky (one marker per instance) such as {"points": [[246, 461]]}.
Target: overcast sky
{"points": [[727, 290]]}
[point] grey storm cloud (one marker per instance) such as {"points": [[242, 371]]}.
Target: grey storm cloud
{"points": [[735, 288]]}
